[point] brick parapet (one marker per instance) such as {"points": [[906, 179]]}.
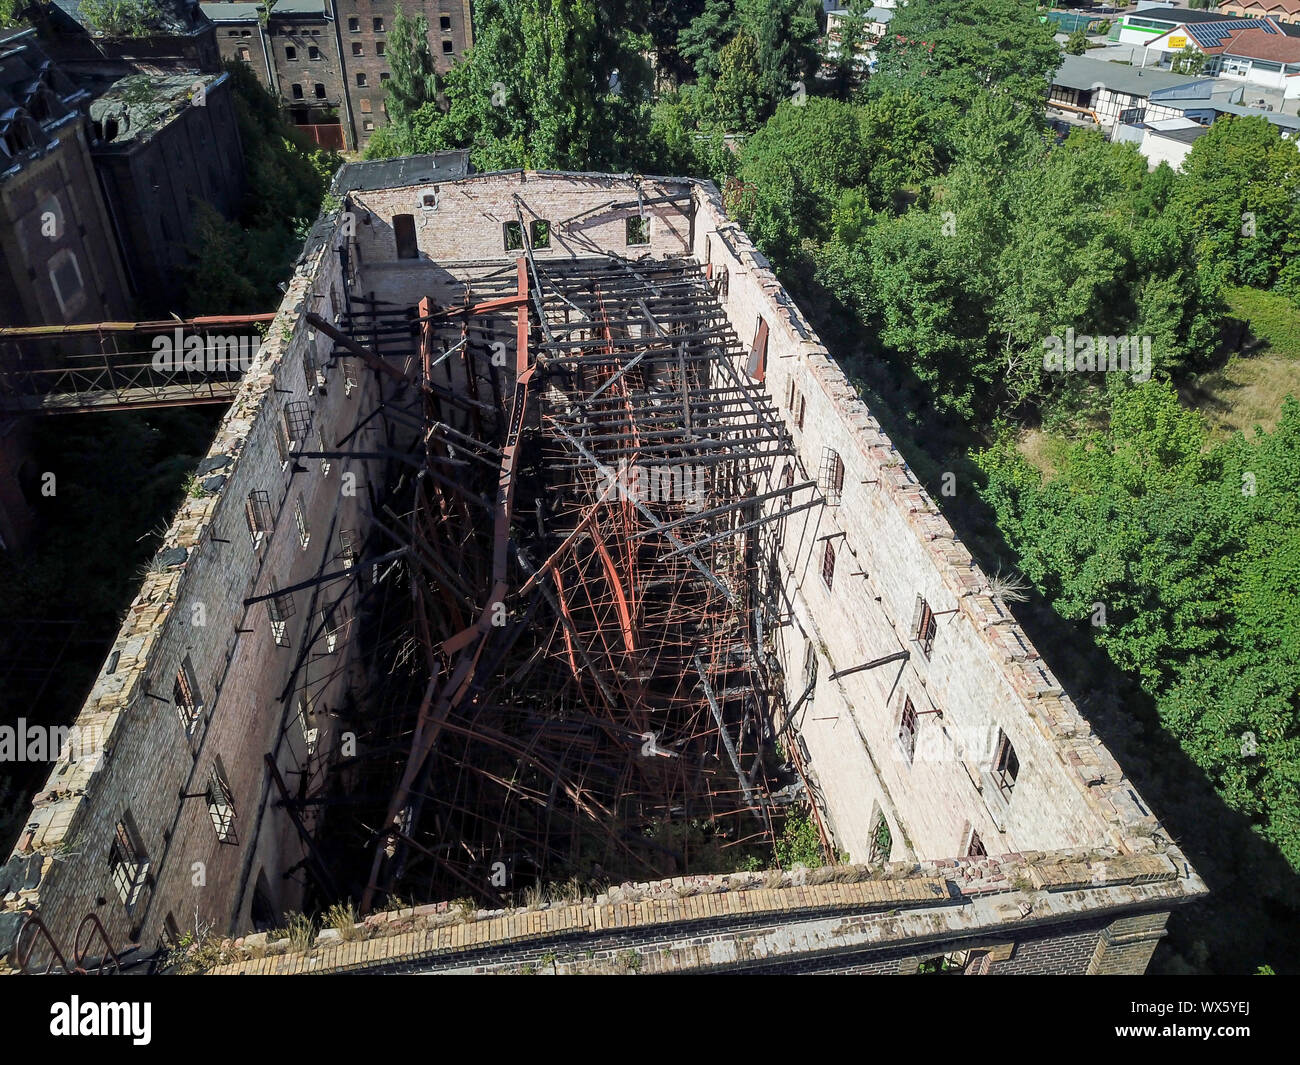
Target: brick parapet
{"points": [[958, 902]]}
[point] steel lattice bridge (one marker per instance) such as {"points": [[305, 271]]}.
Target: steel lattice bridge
{"points": [[106, 366]]}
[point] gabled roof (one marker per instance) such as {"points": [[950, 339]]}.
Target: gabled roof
{"points": [[1176, 15], [1286, 7], [1288, 123], [1212, 36], [1257, 44], [1084, 72]]}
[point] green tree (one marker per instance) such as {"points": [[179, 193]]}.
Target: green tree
{"points": [[1077, 43], [798, 165], [737, 100], [680, 142], [701, 41], [1189, 61], [413, 81], [237, 264], [1241, 196], [786, 32], [122, 18], [784, 35], [900, 135], [1192, 555], [951, 50], [547, 84], [847, 67], [665, 24]]}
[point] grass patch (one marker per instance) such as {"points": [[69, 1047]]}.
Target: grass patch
{"points": [[1042, 450], [1248, 390], [1271, 317]]}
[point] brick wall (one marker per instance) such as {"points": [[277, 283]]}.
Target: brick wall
{"points": [[299, 36], [900, 925], [365, 25], [236, 38], [151, 770], [1125, 946], [154, 185], [891, 545], [63, 183], [467, 223]]}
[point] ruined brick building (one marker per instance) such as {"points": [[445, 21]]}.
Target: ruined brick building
{"points": [[109, 150], [544, 543], [326, 60]]}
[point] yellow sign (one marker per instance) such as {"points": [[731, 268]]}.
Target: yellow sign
{"points": [[1177, 42]]}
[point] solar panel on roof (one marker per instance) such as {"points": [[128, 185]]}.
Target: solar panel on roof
{"points": [[1213, 34]]}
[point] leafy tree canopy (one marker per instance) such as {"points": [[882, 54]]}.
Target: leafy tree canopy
{"points": [[951, 50]]}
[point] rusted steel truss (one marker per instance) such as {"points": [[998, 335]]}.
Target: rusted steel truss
{"points": [[586, 684]]}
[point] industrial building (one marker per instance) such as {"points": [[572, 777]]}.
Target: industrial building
{"points": [[547, 569]]}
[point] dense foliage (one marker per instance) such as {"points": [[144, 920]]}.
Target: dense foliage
{"points": [[238, 264], [557, 84], [120, 18], [1193, 555]]}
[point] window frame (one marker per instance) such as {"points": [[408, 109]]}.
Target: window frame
{"points": [[279, 609], [756, 364], [128, 861], [257, 515], [1006, 763], [300, 521], [186, 686], [831, 478], [221, 803], [925, 627], [909, 725]]}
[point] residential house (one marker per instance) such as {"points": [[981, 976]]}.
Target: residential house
{"points": [[1287, 11], [1115, 94], [877, 19]]}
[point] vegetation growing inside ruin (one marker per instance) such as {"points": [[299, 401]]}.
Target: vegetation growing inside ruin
{"points": [[121, 18], [238, 264], [799, 843]]}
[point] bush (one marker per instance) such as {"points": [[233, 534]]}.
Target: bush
{"points": [[800, 843], [121, 18], [1271, 317]]}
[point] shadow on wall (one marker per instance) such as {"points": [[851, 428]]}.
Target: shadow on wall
{"points": [[1254, 905]]}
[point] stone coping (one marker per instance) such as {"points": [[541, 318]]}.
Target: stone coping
{"points": [[1032, 886]]}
